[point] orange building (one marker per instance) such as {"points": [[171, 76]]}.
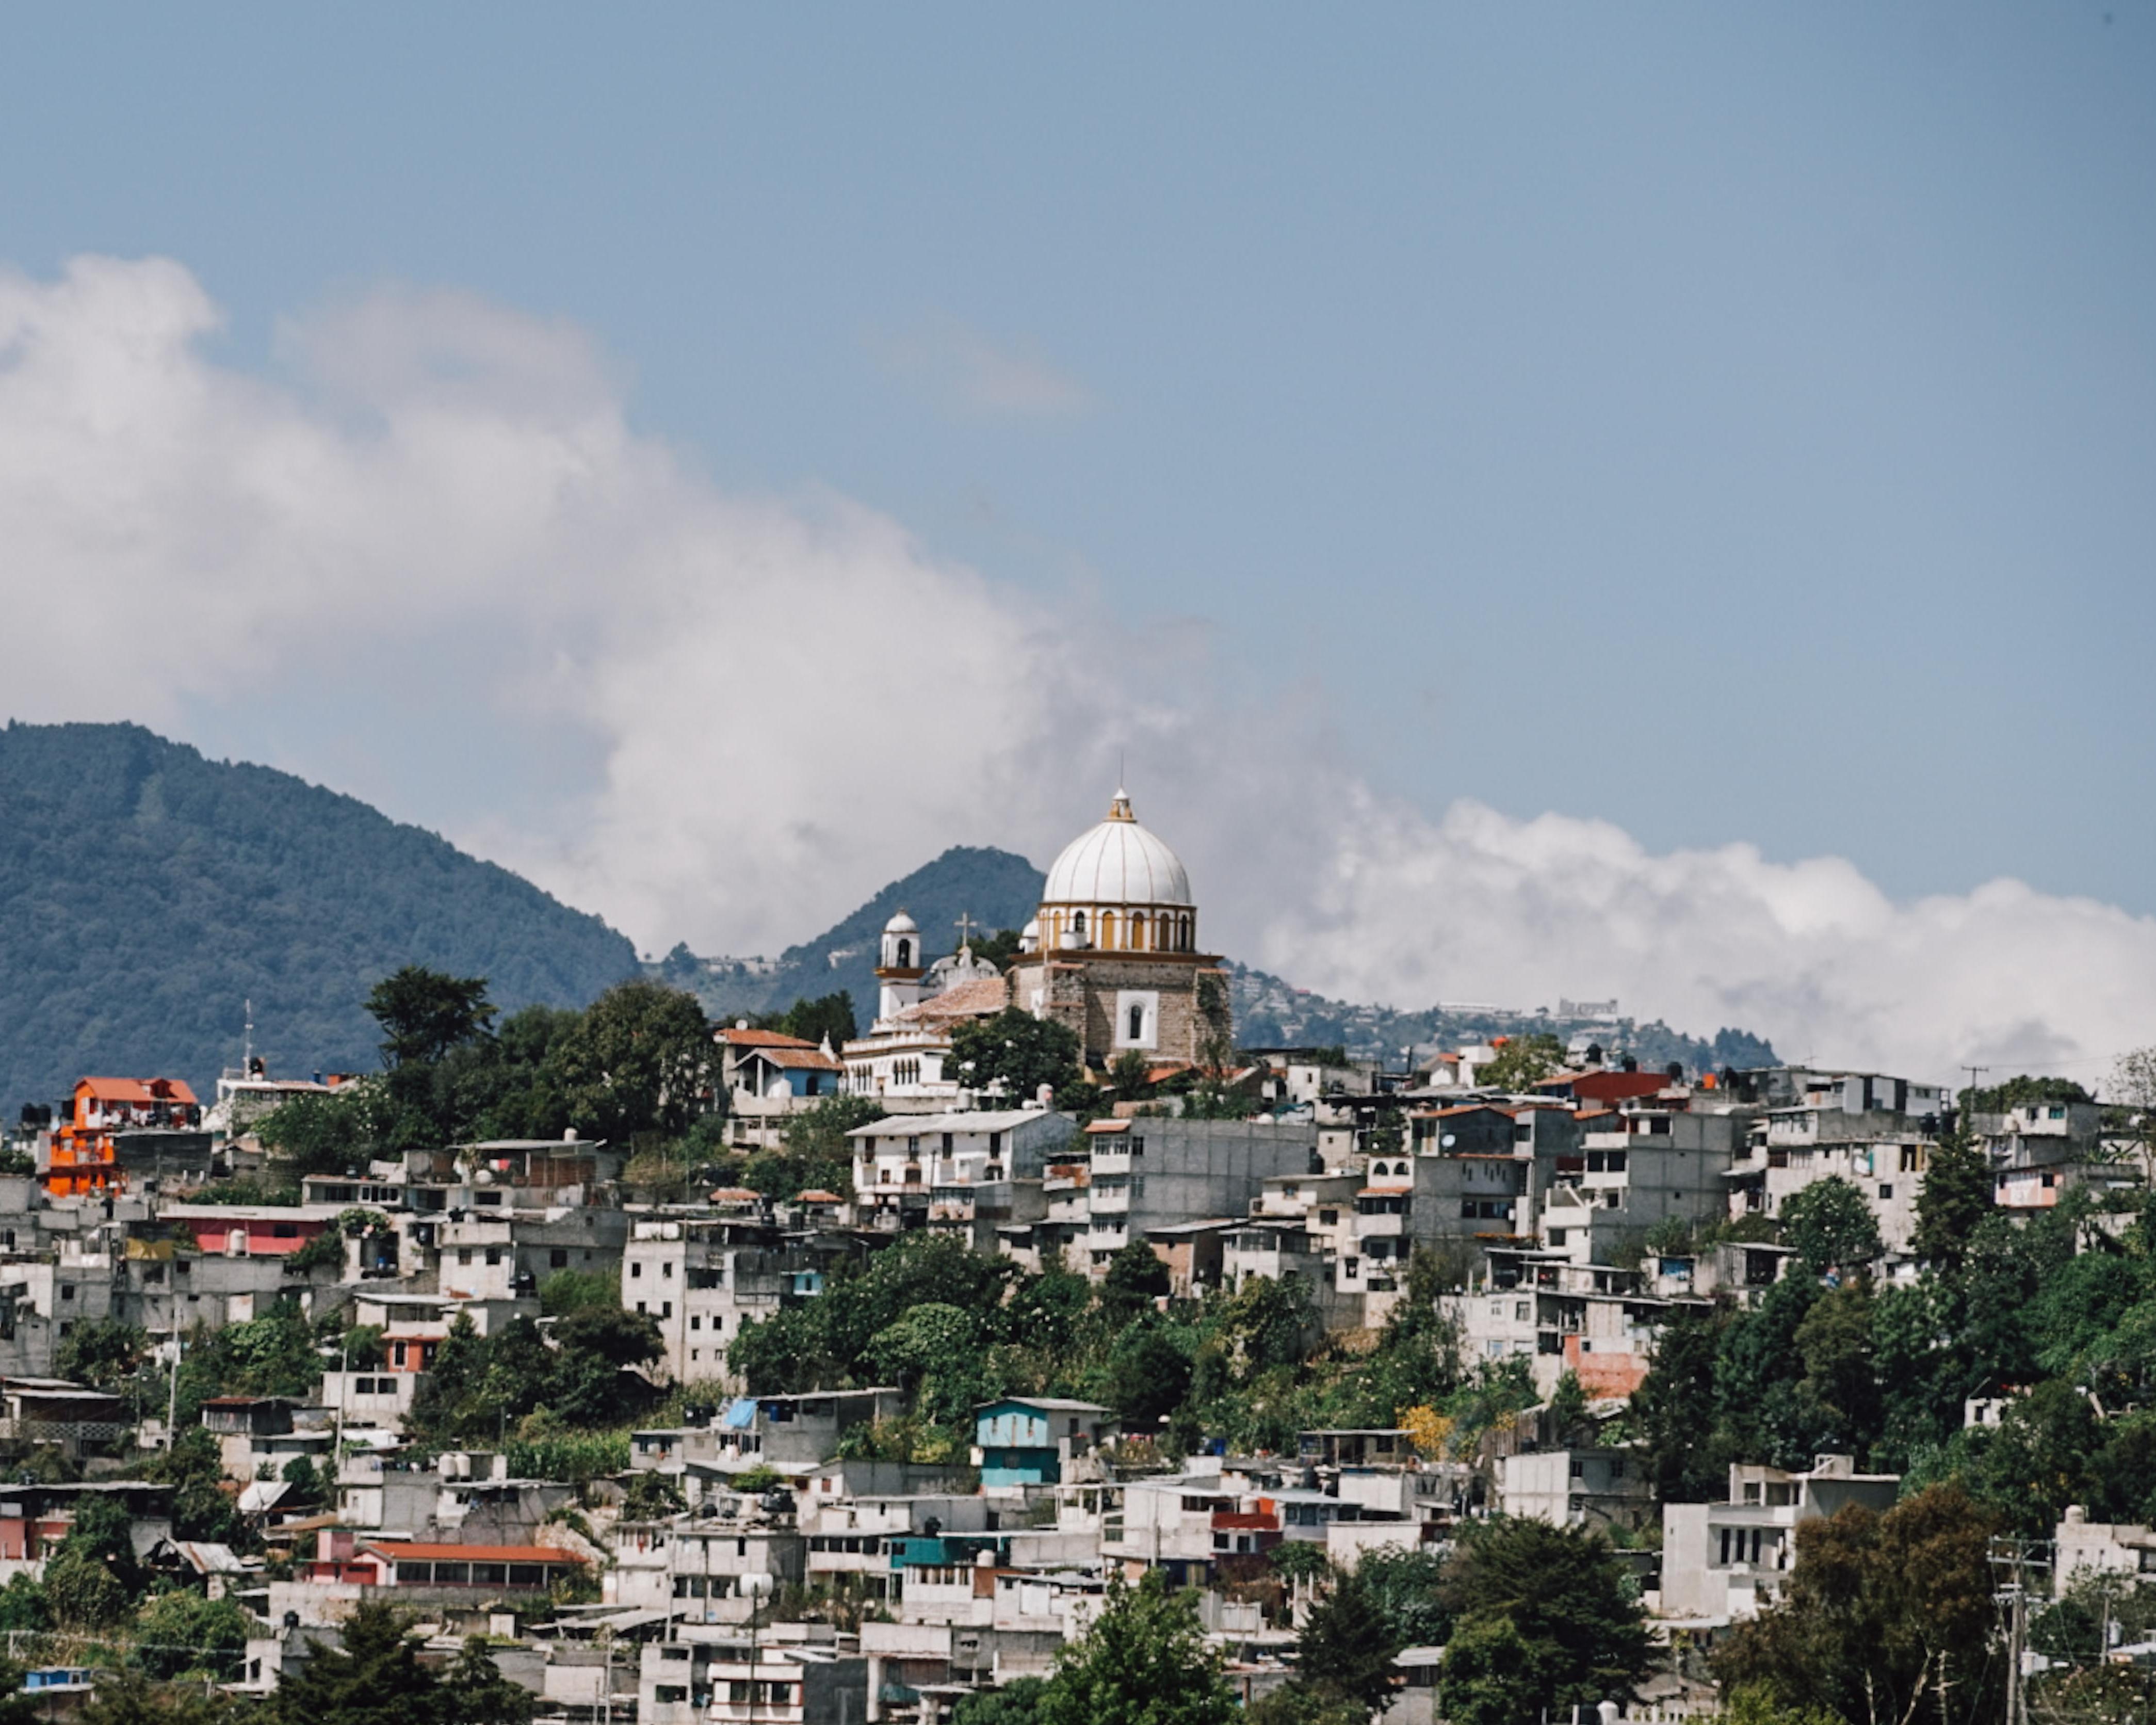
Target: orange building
{"points": [[84, 1157]]}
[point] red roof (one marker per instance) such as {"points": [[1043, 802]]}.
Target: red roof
{"points": [[817, 1195], [808, 1055], [145, 1090], [735, 1194], [985, 997], [1601, 1086], [420, 1552], [762, 1039]]}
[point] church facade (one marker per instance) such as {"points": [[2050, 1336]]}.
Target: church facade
{"points": [[1113, 951]]}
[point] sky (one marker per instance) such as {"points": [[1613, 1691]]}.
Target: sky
{"points": [[1648, 501]]}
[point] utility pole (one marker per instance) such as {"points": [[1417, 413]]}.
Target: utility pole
{"points": [[172, 1391], [2016, 1556]]}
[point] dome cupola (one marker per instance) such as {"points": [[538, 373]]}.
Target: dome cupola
{"points": [[902, 946], [1118, 888]]}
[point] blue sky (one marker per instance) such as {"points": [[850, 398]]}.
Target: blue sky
{"points": [[1735, 425]]}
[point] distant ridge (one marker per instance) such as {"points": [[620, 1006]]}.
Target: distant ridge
{"points": [[997, 889], [147, 892]]}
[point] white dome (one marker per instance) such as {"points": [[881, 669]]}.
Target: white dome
{"points": [[1117, 863], [902, 924]]}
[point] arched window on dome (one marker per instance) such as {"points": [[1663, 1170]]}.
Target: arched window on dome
{"points": [[1078, 925], [1107, 930], [1137, 930], [904, 955], [1182, 934]]}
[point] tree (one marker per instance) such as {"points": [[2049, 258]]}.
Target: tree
{"points": [[1522, 1062], [934, 1350], [1672, 1413], [1144, 1659], [818, 1154], [194, 1467], [1347, 1646], [424, 1014], [640, 1059], [1568, 1409], [1018, 1051], [1295, 1703], [1839, 1390], [474, 1692], [182, 1633], [1831, 1226], [1131, 1075], [1136, 1278], [1564, 1596], [2023, 1092], [1491, 1675], [827, 1018], [1877, 1607], [1017, 1703], [1148, 1374], [1404, 1583], [132, 1698], [374, 1679], [102, 1353], [1956, 1198]]}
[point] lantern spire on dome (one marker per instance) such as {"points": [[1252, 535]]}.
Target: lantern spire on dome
{"points": [[1120, 809]]}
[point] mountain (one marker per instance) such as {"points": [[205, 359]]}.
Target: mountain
{"points": [[1270, 1012], [147, 894], [996, 888], [1001, 890]]}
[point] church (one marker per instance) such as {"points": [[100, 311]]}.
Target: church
{"points": [[1112, 951]]}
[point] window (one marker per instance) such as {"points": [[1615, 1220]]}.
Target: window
{"points": [[285, 1230], [558, 1258], [666, 1271], [463, 1254], [666, 1309], [696, 1321], [1885, 1189], [634, 1270], [1137, 1022], [67, 1290]]}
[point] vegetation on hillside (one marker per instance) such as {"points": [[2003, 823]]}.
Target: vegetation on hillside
{"points": [[637, 1063], [151, 893]]}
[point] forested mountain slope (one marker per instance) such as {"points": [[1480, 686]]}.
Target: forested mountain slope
{"points": [[146, 893]]}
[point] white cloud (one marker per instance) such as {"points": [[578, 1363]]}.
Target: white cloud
{"points": [[966, 371], [744, 715], [1477, 905]]}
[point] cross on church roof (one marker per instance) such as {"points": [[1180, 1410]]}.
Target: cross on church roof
{"points": [[965, 926]]}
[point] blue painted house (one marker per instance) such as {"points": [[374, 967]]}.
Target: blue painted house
{"points": [[1030, 1439]]}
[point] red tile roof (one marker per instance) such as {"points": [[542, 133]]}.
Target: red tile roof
{"points": [[145, 1090], [982, 998], [419, 1552], [760, 1038], [808, 1057]]}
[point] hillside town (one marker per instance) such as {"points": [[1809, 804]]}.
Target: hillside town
{"points": [[872, 1368]]}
